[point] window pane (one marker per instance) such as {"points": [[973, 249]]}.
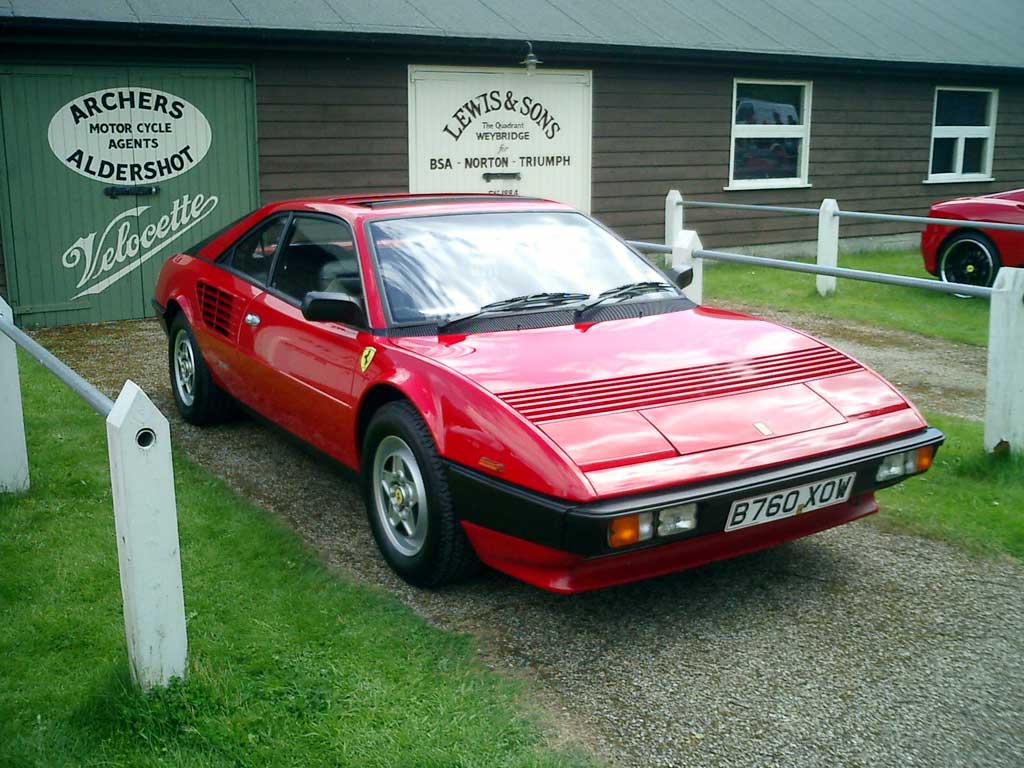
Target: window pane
{"points": [[962, 108], [943, 155], [766, 104], [766, 159], [318, 257], [254, 254], [974, 155]]}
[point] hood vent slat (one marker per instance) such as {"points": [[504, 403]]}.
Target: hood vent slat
{"points": [[668, 387]]}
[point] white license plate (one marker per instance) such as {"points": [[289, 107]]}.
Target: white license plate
{"points": [[788, 502]]}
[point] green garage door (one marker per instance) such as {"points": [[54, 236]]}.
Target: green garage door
{"points": [[107, 171]]}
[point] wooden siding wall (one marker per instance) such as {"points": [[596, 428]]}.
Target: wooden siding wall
{"points": [[326, 126], [329, 126], [869, 148]]}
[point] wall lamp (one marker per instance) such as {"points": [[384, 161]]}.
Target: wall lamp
{"points": [[531, 61]]}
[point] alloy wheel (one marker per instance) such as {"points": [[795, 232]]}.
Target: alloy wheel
{"points": [[400, 498]]}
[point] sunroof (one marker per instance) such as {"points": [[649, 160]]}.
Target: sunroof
{"points": [[395, 202]]}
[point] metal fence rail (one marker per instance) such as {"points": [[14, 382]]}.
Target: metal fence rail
{"points": [[142, 491], [839, 213], [95, 399], [937, 286]]}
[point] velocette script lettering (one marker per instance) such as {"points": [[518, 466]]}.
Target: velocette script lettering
{"points": [[123, 246]]}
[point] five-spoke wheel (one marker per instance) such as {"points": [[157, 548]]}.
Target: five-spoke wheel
{"points": [[400, 498], [184, 367]]}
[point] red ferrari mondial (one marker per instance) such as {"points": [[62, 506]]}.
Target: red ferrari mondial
{"points": [[518, 386]]}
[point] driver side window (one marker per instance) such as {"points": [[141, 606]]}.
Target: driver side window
{"points": [[319, 255]]}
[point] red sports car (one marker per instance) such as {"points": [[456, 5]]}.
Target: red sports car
{"points": [[970, 253], [518, 386]]}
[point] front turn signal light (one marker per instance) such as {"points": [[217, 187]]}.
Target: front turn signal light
{"points": [[630, 529], [924, 458]]}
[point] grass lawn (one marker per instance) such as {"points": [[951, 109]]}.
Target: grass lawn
{"points": [[887, 306], [968, 498], [289, 665]]}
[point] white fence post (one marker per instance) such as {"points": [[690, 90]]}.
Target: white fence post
{"points": [[13, 452], [685, 243], [828, 244], [145, 516], [673, 215], [1004, 396]]}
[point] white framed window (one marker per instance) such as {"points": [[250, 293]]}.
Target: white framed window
{"points": [[963, 134], [771, 132]]}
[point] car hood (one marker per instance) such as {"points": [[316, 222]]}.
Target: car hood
{"points": [[627, 391]]}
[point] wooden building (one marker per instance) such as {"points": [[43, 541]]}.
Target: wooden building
{"points": [[131, 130]]}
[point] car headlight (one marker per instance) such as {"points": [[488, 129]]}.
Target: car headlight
{"points": [[675, 520], [905, 464]]}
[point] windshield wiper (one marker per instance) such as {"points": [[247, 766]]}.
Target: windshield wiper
{"points": [[627, 291], [514, 304]]}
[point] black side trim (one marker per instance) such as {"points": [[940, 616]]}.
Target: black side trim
{"points": [[582, 528]]}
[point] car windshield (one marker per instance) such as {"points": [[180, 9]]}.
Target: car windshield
{"points": [[437, 267]]}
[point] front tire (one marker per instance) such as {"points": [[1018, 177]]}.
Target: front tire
{"points": [[969, 257], [199, 400], [408, 502]]}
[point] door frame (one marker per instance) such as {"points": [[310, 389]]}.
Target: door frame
{"points": [[242, 70]]}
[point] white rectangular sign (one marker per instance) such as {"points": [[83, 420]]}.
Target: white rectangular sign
{"points": [[501, 131]]}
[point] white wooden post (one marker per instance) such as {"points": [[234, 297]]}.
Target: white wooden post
{"points": [[673, 215], [685, 243], [145, 516], [1004, 397], [13, 452], [828, 244]]}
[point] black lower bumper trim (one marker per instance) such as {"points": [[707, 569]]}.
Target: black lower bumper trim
{"points": [[582, 528]]}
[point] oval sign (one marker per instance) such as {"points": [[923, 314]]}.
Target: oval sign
{"points": [[129, 135]]}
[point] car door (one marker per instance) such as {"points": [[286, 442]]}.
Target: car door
{"points": [[308, 367], [223, 296]]}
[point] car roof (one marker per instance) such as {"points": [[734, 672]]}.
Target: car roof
{"points": [[405, 204]]}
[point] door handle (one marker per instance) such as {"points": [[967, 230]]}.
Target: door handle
{"points": [[492, 176], [251, 319], [139, 191]]}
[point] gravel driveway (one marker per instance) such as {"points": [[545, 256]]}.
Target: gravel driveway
{"points": [[854, 647]]}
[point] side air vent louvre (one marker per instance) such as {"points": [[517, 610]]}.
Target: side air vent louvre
{"points": [[217, 308], [668, 387]]}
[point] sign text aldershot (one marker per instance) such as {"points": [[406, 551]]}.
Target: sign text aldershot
{"points": [[129, 135]]}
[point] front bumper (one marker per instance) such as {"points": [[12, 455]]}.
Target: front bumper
{"points": [[563, 546]]}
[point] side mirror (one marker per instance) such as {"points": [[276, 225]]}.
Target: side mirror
{"points": [[682, 277], [333, 308]]}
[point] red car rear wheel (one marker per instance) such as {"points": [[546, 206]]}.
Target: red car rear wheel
{"points": [[969, 257]]}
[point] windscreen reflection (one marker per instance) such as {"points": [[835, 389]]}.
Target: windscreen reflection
{"points": [[439, 266]]}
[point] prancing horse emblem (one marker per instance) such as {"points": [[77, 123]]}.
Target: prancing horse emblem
{"points": [[366, 358]]}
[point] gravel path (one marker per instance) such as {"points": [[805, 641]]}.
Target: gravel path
{"points": [[855, 647]]}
